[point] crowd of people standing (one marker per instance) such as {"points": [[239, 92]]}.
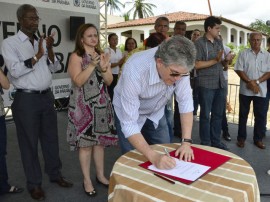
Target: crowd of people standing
{"points": [[126, 98]]}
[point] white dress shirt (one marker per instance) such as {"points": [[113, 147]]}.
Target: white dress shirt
{"points": [[141, 94], [17, 50], [254, 66]]}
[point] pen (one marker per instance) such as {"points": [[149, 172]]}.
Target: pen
{"points": [[164, 178], [166, 152]]}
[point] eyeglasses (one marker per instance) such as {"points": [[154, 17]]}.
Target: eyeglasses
{"points": [[177, 74], [33, 18]]}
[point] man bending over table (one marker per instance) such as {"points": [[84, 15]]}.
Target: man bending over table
{"points": [[147, 83]]}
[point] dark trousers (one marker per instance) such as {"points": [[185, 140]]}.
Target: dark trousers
{"points": [[176, 120], [4, 186], [152, 135], [35, 119], [212, 104], [266, 110], [259, 115], [195, 87], [225, 127], [113, 84], [169, 118]]}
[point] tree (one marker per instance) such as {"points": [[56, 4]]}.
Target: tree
{"points": [[141, 9], [261, 26], [114, 5], [126, 16]]}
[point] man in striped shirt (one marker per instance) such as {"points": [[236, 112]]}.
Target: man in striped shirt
{"points": [[147, 83]]}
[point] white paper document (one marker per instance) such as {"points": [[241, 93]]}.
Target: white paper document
{"points": [[185, 170]]}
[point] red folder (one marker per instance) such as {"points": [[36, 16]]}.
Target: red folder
{"points": [[203, 157]]}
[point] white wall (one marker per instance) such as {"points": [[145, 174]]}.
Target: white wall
{"points": [[55, 17]]}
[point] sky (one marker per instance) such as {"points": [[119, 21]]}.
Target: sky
{"points": [[241, 11]]}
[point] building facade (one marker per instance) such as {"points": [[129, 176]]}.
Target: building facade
{"points": [[140, 29]]}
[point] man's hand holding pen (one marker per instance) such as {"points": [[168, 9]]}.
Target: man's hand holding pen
{"points": [[162, 161]]}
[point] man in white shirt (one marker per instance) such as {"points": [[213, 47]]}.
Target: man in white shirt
{"points": [[147, 83], [30, 61], [253, 68]]}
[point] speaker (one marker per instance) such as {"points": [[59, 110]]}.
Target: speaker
{"points": [[75, 23]]}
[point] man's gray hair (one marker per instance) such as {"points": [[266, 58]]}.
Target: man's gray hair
{"points": [[177, 50], [23, 9], [252, 34]]}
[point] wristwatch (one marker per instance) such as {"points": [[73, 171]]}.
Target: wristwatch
{"points": [[257, 82], [187, 140], [35, 58]]}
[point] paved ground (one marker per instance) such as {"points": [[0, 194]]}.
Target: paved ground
{"points": [[258, 159]]}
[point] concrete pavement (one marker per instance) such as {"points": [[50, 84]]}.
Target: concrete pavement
{"points": [[257, 158]]}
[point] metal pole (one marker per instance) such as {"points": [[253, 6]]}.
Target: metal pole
{"points": [[210, 10]]}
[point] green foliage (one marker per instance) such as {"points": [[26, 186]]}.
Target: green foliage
{"points": [[114, 5], [122, 47], [126, 16], [258, 25], [261, 26], [236, 50], [141, 9]]}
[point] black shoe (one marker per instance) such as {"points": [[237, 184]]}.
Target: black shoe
{"points": [[99, 182], [90, 193], [227, 136]]}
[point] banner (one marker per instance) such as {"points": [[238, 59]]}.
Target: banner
{"points": [[55, 17], [60, 88], [81, 6]]}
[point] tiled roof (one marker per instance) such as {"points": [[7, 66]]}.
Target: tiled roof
{"points": [[173, 17]]}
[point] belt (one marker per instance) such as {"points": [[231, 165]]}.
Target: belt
{"points": [[33, 91]]}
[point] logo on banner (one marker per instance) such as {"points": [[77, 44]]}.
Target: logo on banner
{"points": [[77, 3]]}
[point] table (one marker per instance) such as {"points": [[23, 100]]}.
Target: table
{"points": [[235, 180]]}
